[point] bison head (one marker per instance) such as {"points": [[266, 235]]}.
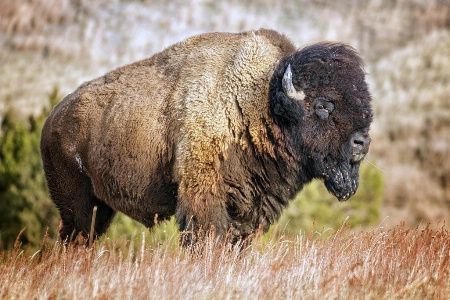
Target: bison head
{"points": [[320, 100]]}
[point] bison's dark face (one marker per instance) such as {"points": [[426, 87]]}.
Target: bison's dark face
{"points": [[320, 97]]}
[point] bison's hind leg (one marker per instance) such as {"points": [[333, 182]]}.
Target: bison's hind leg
{"points": [[76, 224], [72, 192]]}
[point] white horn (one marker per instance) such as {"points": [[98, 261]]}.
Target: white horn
{"points": [[288, 87]]}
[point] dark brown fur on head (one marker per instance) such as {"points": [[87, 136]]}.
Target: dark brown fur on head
{"points": [[330, 72]]}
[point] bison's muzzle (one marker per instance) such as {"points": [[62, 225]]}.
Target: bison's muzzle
{"points": [[342, 177], [360, 142]]}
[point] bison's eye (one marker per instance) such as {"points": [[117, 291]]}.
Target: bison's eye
{"points": [[322, 107]]}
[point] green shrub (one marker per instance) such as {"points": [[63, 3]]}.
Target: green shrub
{"points": [[166, 233], [315, 207], [25, 204]]}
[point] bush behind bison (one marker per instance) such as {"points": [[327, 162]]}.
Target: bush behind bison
{"points": [[220, 130]]}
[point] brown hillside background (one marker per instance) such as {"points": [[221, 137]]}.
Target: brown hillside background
{"points": [[406, 46]]}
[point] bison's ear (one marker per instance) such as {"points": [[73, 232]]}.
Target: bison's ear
{"points": [[288, 103]]}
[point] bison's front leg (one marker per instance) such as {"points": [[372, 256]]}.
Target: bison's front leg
{"points": [[201, 213]]}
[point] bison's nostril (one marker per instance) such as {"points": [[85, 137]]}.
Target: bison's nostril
{"points": [[360, 141], [359, 144]]}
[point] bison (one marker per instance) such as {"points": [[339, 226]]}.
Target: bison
{"points": [[220, 130]]}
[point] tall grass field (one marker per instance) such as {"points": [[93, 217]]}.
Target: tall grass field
{"points": [[398, 263]]}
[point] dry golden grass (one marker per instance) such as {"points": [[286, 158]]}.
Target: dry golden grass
{"points": [[380, 264]]}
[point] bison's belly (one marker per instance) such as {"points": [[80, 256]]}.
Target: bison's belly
{"points": [[156, 202]]}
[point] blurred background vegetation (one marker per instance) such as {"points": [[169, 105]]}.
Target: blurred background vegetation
{"points": [[405, 43]]}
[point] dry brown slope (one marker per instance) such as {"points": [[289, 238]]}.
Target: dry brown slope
{"points": [[412, 86]]}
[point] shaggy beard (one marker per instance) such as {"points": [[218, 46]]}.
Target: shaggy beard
{"points": [[341, 179]]}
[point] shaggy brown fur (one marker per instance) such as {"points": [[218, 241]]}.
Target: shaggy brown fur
{"points": [[204, 130]]}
